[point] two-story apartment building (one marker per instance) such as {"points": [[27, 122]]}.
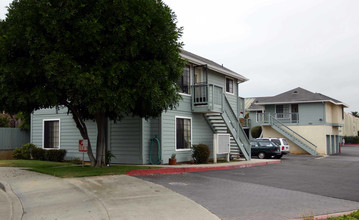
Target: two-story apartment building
{"points": [[311, 122], [210, 105]]}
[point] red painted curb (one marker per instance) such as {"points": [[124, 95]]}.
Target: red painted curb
{"points": [[195, 169]]}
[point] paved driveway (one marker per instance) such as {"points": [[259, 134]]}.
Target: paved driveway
{"points": [[299, 186]]}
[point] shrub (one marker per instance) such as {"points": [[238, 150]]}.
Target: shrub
{"points": [[200, 153], [256, 131], [17, 153], [24, 152], [55, 155], [38, 153], [76, 160], [27, 149], [351, 139], [108, 157]]}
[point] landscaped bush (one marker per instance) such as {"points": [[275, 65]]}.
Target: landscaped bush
{"points": [[27, 149], [38, 153], [55, 155], [351, 139], [24, 152], [200, 153], [256, 131], [17, 153]]}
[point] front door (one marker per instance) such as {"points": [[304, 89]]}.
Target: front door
{"points": [[294, 114], [200, 85]]}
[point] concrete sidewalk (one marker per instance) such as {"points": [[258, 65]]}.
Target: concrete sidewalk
{"points": [[38, 196], [30, 195]]}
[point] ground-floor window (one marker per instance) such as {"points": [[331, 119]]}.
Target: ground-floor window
{"points": [[51, 137], [183, 133]]}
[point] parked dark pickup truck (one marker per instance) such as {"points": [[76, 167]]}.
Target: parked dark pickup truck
{"points": [[264, 149]]}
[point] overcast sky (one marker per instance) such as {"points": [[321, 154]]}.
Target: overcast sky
{"points": [[277, 44]]}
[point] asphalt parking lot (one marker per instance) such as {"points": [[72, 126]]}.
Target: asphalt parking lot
{"points": [[300, 186]]}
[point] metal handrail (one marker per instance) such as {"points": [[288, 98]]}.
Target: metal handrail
{"points": [[233, 117], [274, 120]]}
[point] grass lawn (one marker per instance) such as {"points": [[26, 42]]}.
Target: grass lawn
{"points": [[352, 216], [67, 169]]}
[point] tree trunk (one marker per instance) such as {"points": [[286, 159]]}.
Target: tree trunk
{"points": [[101, 122], [80, 124]]}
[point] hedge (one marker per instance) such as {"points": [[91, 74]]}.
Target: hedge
{"points": [[351, 139]]}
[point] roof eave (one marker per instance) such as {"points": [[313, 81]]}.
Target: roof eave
{"points": [[292, 102], [223, 71]]}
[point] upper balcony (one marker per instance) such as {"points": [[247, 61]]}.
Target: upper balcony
{"points": [[207, 98], [285, 118]]}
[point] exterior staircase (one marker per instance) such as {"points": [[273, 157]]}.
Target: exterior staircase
{"points": [[227, 122], [293, 136]]}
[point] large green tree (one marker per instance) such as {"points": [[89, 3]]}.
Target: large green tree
{"points": [[99, 58]]}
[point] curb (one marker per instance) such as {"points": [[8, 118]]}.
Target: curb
{"points": [[16, 211], [327, 216], [196, 169]]}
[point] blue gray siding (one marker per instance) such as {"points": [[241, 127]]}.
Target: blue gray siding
{"points": [[125, 140], [151, 129], [311, 114], [201, 132], [69, 134], [220, 80]]}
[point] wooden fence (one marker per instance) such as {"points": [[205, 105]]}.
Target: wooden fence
{"points": [[11, 138]]}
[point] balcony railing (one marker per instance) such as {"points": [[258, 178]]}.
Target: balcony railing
{"points": [[286, 118], [207, 97]]}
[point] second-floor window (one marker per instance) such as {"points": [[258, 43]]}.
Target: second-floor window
{"points": [[229, 85], [184, 81]]}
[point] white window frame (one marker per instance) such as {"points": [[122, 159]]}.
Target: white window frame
{"points": [[225, 85], [182, 117], [43, 133]]}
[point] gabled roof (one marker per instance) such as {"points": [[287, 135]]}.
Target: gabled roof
{"points": [[299, 95], [195, 59], [251, 103]]}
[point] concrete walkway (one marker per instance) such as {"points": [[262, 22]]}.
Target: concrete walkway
{"points": [[37, 196], [30, 195]]}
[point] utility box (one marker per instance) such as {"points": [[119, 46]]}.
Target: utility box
{"points": [[221, 145]]}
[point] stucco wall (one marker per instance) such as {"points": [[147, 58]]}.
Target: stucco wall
{"points": [[351, 125], [334, 113], [313, 133]]}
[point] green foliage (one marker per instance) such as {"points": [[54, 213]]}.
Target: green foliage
{"points": [[200, 153], [121, 57], [256, 131], [355, 114], [173, 156], [4, 120], [70, 170], [25, 121], [17, 153], [351, 139], [114, 58], [24, 152], [38, 153], [76, 160], [55, 155], [352, 216], [108, 157]]}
